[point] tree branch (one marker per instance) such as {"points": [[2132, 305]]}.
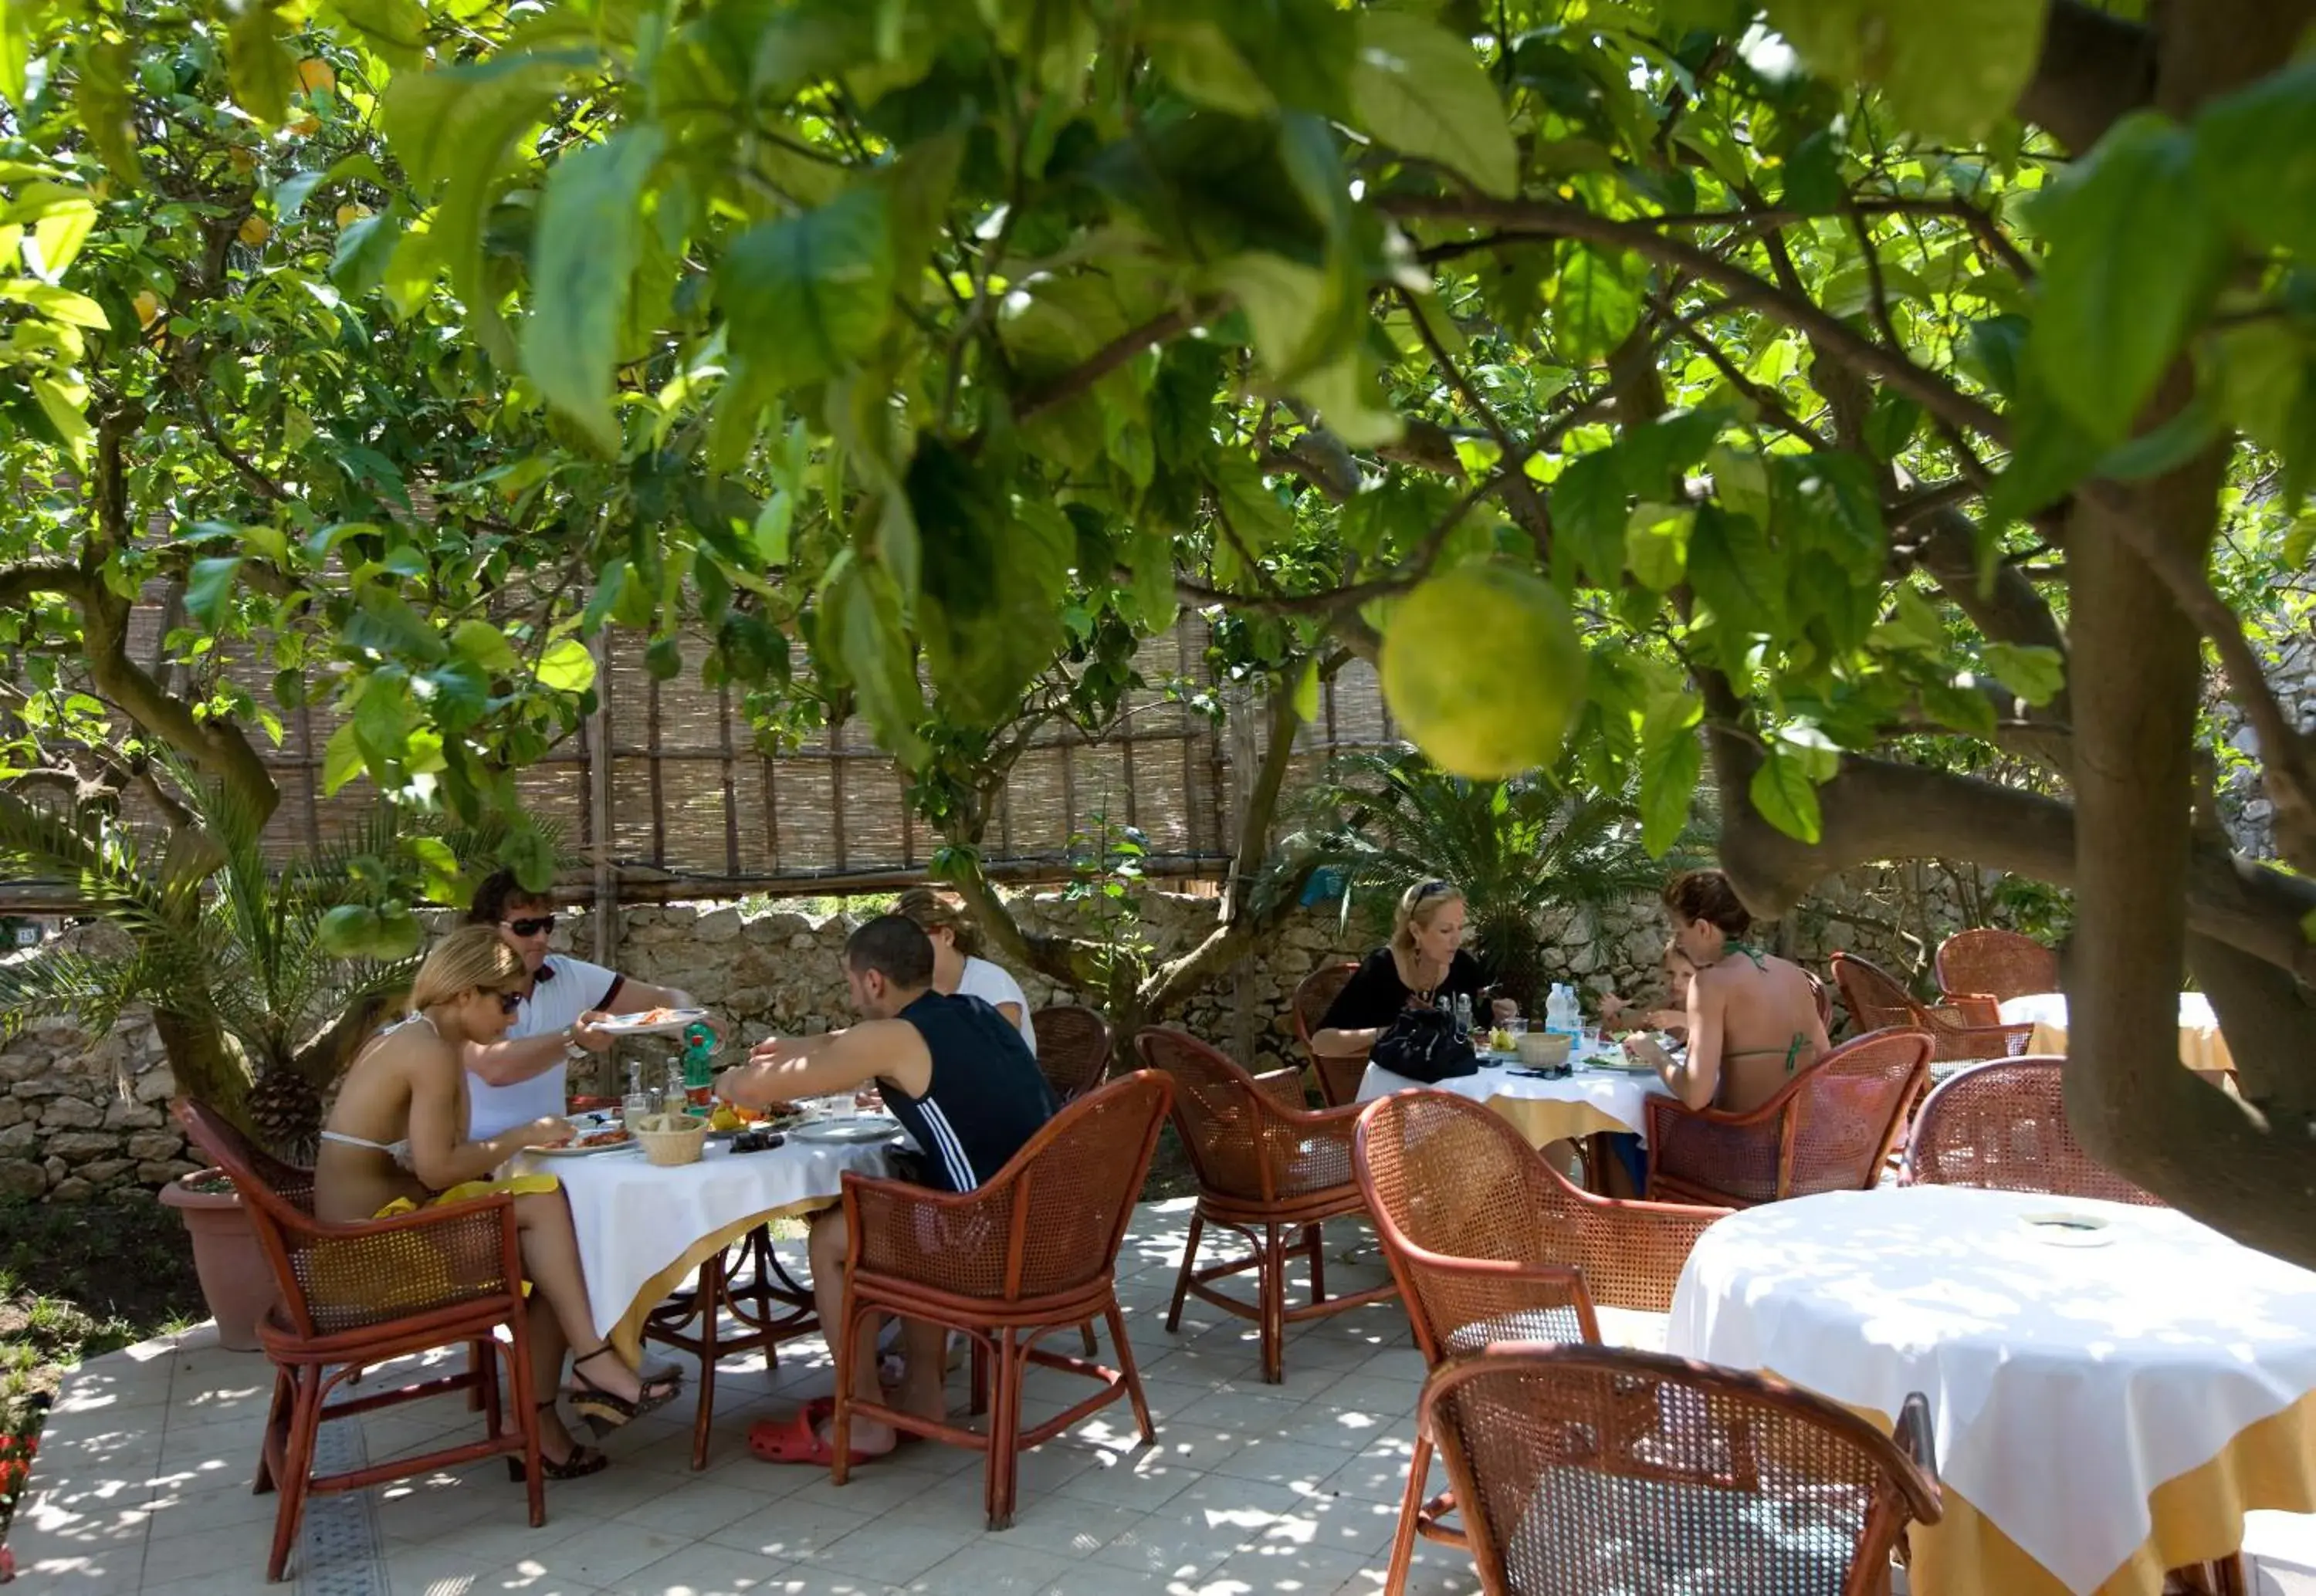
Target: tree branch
{"points": [[1763, 399], [1545, 218], [1109, 357], [2095, 66]]}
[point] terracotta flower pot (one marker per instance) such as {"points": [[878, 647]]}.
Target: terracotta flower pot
{"points": [[234, 1276]]}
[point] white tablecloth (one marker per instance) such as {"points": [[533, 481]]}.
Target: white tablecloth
{"points": [[636, 1220], [2066, 1383], [2201, 1045], [1611, 1100]]}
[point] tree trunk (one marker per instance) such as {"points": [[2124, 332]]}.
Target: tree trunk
{"points": [[205, 1067]]}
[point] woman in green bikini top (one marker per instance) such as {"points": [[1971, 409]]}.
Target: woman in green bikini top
{"points": [[1754, 1019]]}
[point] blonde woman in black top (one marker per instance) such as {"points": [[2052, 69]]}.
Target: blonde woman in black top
{"points": [[1423, 961]]}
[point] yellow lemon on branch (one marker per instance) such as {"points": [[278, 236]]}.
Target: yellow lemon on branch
{"points": [[1482, 668]]}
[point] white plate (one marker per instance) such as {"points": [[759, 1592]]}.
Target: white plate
{"points": [[857, 1128], [643, 1024]]}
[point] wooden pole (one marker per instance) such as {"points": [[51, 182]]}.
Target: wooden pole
{"points": [[607, 870]]}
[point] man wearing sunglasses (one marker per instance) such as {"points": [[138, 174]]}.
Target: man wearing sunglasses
{"points": [[526, 1074]]}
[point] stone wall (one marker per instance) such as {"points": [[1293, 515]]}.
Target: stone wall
{"points": [[82, 1115]]}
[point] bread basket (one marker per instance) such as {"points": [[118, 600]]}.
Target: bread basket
{"points": [[671, 1139], [1545, 1049]]}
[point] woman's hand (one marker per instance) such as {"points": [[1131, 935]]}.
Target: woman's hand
{"points": [[1611, 1007], [547, 1130]]}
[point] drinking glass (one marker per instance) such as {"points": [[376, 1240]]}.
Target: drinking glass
{"points": [[1516, 1026]]}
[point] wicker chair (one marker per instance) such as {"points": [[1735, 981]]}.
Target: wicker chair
{"points": [[1996, 964], [1032, 1250], [2001, 1126], [1829, 1129], [1338, 1073], [1593, 1471], [1267, 1168], [356, 1296], [1489, 1243], [1073, 1048], [1960, 1032]]}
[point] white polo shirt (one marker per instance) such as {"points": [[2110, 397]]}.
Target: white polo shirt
{"points": [[994, 985], [566, 988]]}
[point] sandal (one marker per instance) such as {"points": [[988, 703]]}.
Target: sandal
{"points": [[798, 1440], [582, 1461], [601, 1409]]}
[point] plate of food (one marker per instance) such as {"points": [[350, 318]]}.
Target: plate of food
{"points": [[850, 1128], [649, 1021], [603, 1139]]}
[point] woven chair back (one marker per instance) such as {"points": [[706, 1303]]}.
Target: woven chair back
{"points": [[2002, 1127], [1587, 1471], [1073, 1048], [1999, 964]]}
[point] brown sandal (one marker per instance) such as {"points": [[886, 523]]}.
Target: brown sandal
{"points": [[582, 1461]]}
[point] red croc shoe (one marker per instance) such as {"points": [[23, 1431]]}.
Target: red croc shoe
{"points": [[798, 1440]]}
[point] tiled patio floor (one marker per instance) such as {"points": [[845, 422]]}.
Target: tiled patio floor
{"points": [[142, 1485]]}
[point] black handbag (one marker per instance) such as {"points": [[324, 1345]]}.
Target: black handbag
{"points": [[1424, 1045]]}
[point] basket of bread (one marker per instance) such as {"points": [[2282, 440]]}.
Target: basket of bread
{"points": [[670, 1139]]}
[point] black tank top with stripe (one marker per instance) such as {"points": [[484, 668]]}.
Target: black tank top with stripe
{"points": [[986, 1096]]}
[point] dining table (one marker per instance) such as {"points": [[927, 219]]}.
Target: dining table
{"points": [[2111, 1387], [1596, 1097], [2201, 1048], [683, 1254]]}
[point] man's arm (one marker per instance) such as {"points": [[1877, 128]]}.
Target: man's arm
{"points": [[634, 997], [787, 1068]]}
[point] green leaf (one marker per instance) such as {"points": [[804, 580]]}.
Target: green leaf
{"points": [[1737, 576], [2037, 675], [261, 71], [210, 587], [486, 646], [1952, 67], [58, 303], [566, 666], [1671, 760], [62, 228], [1656, 544], [1785, 796], [1421, 90], [995, 574], [807, 297], [1588, 517], [1306, 692], [386, 622], [861, 613], [529, 854], [1595, 305], [2256, 156], [2135, 255], [1287, 308], [1197, 57], [365, 252], [584, 256], [16, 20], [663, 659], [394, 29], [342, 759]]}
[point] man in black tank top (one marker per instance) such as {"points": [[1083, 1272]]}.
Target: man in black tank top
{"points": [[957, 1074]]}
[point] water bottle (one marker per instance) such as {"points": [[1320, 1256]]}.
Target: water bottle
{"points": [[1558, 1016]]}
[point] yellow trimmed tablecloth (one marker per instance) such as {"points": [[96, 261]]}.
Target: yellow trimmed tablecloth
{"points": [[643, 1228], [2108, 1403], [1586, 1103], [2201, 1046]]}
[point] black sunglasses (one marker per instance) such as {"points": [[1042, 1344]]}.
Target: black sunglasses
{"points": [[508, 1002], [530, 927], [1432, 889]]}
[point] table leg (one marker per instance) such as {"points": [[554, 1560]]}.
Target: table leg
{"points": [[748, 1283]]}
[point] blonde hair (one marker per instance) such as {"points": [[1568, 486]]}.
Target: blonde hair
{"points": [[933, 912], [470, 959], [1420, 905]]}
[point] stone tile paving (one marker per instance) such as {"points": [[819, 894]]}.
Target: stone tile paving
{"points": [[142, 1486]]}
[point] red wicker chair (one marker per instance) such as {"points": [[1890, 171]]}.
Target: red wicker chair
{"points": [[1032, 1250], [1996, 964], [1489, 1243], [1829, 1129], [2001, 1126], [356, 1296], [1269, 1169], [1073, 1048], [1959, 1033], [1593, 1471], [1338, 1073]]}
